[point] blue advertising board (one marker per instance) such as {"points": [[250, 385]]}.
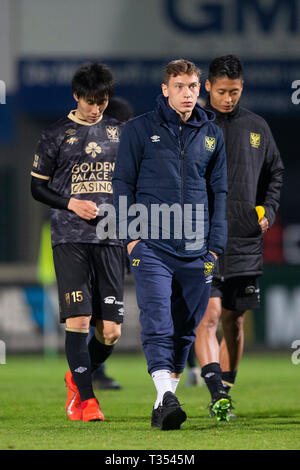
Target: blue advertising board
{"points": [[45, 84]]}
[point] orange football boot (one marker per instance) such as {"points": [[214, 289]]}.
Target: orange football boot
{"points": [[91, 410], [73, 403]]}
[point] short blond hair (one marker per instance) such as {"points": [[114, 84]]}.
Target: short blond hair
{"points": [[179, 67]]}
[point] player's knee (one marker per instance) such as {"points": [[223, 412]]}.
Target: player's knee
{"points": [[210, 320], [239, 322], [111, 336], [233, 320], [111, 339], [78, 323]]}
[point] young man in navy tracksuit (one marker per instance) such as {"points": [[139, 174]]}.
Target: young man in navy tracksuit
{"points": [[174, 156]]}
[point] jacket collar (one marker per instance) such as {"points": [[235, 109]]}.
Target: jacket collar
{"points": [[168, 116], [234, 113]]}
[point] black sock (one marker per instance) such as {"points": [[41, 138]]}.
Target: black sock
{"points": [[212, 374], [228, 379], [78, 357], [99, 352]]}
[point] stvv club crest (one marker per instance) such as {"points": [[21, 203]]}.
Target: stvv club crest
{"points": [[210, 143]]}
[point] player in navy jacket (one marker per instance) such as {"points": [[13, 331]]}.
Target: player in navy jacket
{"points": [[163, 160], [173, 156]]}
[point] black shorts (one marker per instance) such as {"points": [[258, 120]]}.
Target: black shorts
{"points": [[237, 293], [90, 280]]}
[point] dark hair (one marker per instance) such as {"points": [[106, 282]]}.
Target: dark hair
{"points": [[120, 109], [93, 81], [226, 66], [179, 67]]}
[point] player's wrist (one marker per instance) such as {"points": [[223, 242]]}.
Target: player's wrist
{"points": [[72, 203], [214, 254], [131, 245]]}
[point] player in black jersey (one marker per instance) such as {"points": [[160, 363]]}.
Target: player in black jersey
{"points": [[72, 172], [255, 176]]}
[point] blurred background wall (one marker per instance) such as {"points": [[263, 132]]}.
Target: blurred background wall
{"points": [[41, 45]]}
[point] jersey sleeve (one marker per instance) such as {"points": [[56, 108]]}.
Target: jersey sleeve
{"points": [[45, 158], [271, 178], [217, 190]]}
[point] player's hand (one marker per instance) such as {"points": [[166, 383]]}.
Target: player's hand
{"points": [[87, 210], [264, 224], [214, 254], [131, 245]]}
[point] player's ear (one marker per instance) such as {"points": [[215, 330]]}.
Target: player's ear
{"points": [[75, 97], [164, 89], [207, 86]]}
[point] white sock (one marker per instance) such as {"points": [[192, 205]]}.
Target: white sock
{"points": [[175, 382], [163, 383]]}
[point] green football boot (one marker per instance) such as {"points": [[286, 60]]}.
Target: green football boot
{"points": [[221, 406]]}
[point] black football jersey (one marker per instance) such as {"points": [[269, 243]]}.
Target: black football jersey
{"points": [[78, 159]]}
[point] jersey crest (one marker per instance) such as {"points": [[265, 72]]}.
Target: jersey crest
{"points": [[254, 140], [112, 133], [210, 143]]}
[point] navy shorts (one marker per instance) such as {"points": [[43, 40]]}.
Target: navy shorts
{"points": [[239, 293], [90, 281]]}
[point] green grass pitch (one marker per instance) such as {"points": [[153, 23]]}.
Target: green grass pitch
{"points": [[32, 414]]}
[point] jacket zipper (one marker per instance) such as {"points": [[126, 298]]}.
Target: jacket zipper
{"points": [[181, 147]]}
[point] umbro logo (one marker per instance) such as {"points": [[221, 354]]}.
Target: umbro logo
{"points": [[80, 369], [209, 374], [155, 138]]}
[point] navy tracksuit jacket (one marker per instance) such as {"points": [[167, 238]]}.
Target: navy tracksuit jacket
{"points": [[162, 160]]}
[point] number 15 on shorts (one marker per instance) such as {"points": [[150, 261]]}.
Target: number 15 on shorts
{"points": [[75, 296]]}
